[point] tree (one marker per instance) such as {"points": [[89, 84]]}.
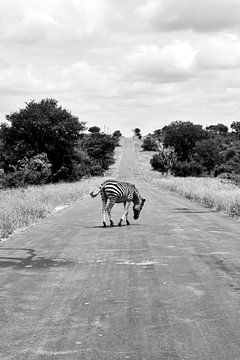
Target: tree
{"points": [[164, 160], [116, 137], [217, 129], [236, 128], [183, 137], [137, 133], [117, 134], [42, 127], [149, 144], [94, 129], [158, 134], [100, 148], [207, 153]]}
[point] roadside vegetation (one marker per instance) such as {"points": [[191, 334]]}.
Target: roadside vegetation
{"points": [[210, 192], [221, 193], [48, 159], [44, 143], [21, 207], [185, 149]]}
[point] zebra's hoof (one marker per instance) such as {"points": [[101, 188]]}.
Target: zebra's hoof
{"points": [[104, 224], [111, 223], [128, 223], [120, 223]]}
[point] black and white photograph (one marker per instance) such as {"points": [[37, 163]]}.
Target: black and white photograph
{"points": [[119, 180]]}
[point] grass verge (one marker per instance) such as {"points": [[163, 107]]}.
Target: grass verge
{"points": [[24, 206], [208, 191]]}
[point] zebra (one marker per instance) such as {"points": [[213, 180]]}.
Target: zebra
{"points": [[119, 192]]}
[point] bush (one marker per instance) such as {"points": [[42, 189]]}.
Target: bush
{"points": [[157, 163], [164, 160], [34, 171], [222, 169], [100, 149], [96, 170], [149, 144], [232, 178], [187, 168], [12, 180], [230, 153]]}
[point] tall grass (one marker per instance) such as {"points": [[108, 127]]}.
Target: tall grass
{"points": [[24, 206], [211, 192]]}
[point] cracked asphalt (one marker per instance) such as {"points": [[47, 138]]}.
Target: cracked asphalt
{"points": [[166, 287]]}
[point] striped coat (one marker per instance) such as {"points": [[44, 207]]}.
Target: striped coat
{"points": [[113, 191]]}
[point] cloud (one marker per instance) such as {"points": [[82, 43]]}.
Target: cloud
{"points": [[203, 16], [82, 77], [129, 63], [170, 63], [219, 52], [86, 78], [53, 21], [34, 27], [18, 79]]}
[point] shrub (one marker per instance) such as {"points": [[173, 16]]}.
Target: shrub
{"points": [[36, 170], [157, 163], [96, 170], [187, 168], [33, 171], [222, 169], [149, 144], [12, 180], [99, 148], [232, 178], [230, 153]]}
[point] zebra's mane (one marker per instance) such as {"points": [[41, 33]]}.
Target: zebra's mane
{"points": [[136, 197]]}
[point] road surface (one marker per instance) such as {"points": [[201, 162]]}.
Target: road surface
{"points": [[167, 287]]}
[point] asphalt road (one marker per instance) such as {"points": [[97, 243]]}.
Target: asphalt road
{"points": [[167, 287]]}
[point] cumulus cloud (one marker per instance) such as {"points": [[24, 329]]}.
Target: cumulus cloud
{"points": [[32, 28], [18, 79], [219, 52], [204, 15], [81, 77], [53, 20], [171, 63], [88, 78]]}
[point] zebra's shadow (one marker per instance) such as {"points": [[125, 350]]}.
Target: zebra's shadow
{"points": [[110, 227]]}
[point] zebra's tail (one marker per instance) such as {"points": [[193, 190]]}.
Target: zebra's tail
{"points": [[93, 195]]}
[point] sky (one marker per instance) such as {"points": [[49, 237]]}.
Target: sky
{"points": [[122, 64]]}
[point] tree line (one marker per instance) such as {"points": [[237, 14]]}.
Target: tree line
{"points": [[45, 143], [187, 149]]}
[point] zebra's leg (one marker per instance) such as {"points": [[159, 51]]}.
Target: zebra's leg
{"points": [[104, 207], [109, 208], [125, 214], [127, 221], [104, 213]]}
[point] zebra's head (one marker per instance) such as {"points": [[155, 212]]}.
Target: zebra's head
{"points": [[137, 209]]}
